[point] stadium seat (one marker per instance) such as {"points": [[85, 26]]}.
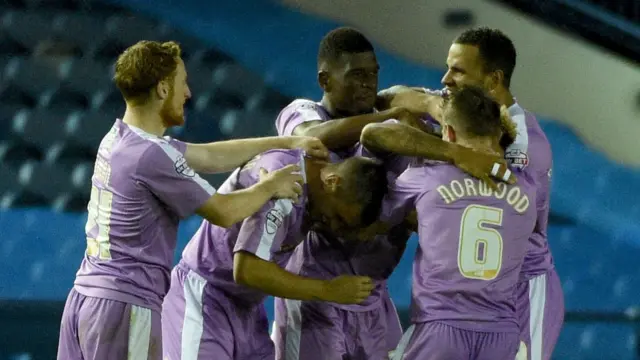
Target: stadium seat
{"points": [[11, 46], [15, 152], [13, 96], [128, 30], [87, 76], [35, 76], [237, 80], [85, 30], [28, 28], [41, 127], [88, 130], [46, 180]]}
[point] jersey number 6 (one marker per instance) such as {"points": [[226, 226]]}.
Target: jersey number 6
{"points": [[480, 247]]}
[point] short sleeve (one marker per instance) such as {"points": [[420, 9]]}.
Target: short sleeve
{"points": [[402, 195], [165, 172], [298, 112], [264, 232]]}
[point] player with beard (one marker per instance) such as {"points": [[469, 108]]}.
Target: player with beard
{"points": [[487, 57], [348, 75], [142, 185]]}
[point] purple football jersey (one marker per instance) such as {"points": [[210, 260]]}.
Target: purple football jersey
{"points": [[472, 242], [531, 152], [141, 188], [324, 257], [271, 234]]}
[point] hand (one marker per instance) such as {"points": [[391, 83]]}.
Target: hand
{"points": [[405, 116], [285, 183], [312, 146], [484, 166], [347, 289]]}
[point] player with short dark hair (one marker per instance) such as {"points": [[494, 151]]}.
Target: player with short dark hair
{"points": [[214, 308], [472, 243], [486, 57], [142, 185], [348, 75]]}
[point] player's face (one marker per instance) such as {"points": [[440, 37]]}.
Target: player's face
{"points": [[353, 83], [464, 67], [172, 111]]}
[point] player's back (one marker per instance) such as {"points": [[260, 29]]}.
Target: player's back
{"points": [[133, 216], [472, 245], [211, 250], [531, 153]]}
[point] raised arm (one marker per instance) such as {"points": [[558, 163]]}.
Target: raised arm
{"points": [[222, 156], [342, 133], [416, 100]]}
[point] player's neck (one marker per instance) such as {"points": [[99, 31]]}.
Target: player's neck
{"points": [[145, 119], [313, 170], [333, 111], [505, 98]]}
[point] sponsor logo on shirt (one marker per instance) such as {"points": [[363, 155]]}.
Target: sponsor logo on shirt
{"points": [[274, 220], [517, 158], [183, 168]]}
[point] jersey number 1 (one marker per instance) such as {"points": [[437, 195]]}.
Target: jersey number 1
{"points": [[99, 217], [480, 247]]}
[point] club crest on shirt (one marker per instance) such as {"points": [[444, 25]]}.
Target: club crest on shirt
{"points": [[517, 158], [274, 219], [183, 168], [549, 174]]}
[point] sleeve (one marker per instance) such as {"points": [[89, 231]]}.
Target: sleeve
{"points": [[164, 171], [298, 112], [401, 196], [264, 232]]}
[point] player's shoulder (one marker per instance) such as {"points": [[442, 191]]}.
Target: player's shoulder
{"points": [[276, 159], [303, 105], [423, 174]]}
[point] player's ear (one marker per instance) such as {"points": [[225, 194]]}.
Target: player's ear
{"points": [[331, 182], [324, 80], [494, 79], [162, 89], [448, 134]]}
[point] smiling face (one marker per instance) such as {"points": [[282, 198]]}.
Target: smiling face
{"points": [[172, 111], [351, 82], [465, 68]]}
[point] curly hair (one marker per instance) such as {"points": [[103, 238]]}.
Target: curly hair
{"points": [[142, 66]]}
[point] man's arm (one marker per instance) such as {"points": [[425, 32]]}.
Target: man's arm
{"points": [[406, 141], [250, 270], [414, 99], [343, 133], [263, 234], [222, 156]]}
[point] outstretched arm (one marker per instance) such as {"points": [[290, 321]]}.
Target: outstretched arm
{"points": [[227, 155], [343, 133]]}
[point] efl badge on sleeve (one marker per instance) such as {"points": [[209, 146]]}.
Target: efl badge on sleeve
{"points": [[517, 158], [183, 168], [273, 221]]}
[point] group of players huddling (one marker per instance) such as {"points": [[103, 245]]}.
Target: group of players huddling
{"points": [[319, 217]]}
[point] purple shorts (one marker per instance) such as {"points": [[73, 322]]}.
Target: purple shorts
{"points": [[540, 308], [438, 341], [314, 330], [201, 322], [95, 328]]}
